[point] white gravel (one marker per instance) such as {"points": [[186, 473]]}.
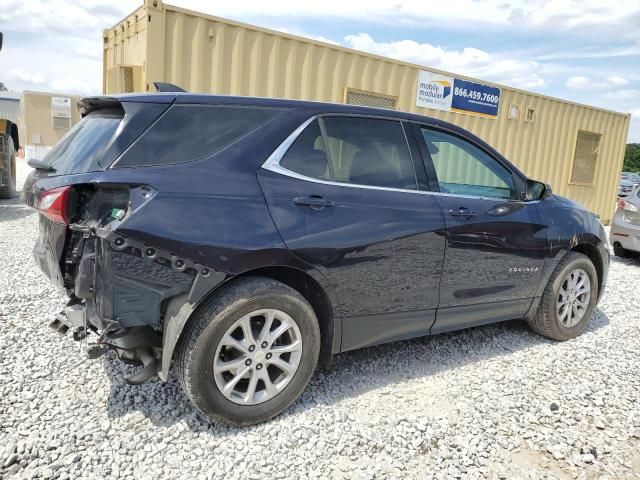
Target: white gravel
{"points": [[490, 402]]}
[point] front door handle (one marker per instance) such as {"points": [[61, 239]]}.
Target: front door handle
{"points": [[315, 202], [462, 212]]}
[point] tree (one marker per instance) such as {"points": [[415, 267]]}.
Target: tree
{"points": [[632, 158], [3, 88]]}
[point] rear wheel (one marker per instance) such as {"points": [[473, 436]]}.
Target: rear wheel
{"points": [[568, 300], [249, 352]]}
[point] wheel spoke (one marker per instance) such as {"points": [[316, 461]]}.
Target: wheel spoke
{"points": [[231, 364], [228, 388], [229, 341], [292, 347], [564, 310], [278, 332], [282, 365], [251, 388], [269, 387], [266, 328], [245, 324], [576, 313]]}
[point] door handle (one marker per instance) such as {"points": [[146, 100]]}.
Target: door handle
{"points": [[315, 202], [463, 212]]}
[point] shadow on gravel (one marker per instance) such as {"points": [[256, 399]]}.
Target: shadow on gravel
{"points": [[12, 209], [351, 373], [633, 261]]}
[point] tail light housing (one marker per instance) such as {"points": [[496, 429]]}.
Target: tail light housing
{"points": [[624, 205], [54, 204]]}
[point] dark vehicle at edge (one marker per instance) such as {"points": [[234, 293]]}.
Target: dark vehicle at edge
{"points": [[9, 145], [244, 240]]}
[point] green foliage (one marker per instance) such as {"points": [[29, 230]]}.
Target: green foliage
{"points": [[3, 88], [632, 158]]}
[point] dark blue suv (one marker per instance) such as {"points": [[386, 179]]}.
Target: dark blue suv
{"points": [[245, 240]]}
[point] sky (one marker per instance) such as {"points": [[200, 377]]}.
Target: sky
{"points": [[586, 51]]}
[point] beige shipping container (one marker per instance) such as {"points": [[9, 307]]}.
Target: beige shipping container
{"points": [[576, 148], [44, 118]]}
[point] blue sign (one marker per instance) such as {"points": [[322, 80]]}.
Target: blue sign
{"points": [[475, 98]]}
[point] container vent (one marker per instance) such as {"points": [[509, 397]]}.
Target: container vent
{"points": [[370, 99], [586, 157]]}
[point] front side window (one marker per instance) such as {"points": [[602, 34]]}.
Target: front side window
{"points": [[464, 169]]}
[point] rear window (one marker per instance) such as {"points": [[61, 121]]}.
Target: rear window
{"points": [[190, 132], [81, 148]]}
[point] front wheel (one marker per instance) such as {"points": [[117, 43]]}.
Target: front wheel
{"points": [[249, 352], [568, 300]]}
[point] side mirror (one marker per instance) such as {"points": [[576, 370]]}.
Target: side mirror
{"points": [[537, 190]]}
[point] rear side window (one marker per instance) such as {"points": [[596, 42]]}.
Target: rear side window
{"points": [[81, 148], [369, 151], [189, 132], [356, 150], [307, 155]]}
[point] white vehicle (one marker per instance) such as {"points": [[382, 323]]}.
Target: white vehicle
{"points": [[625, 228]]}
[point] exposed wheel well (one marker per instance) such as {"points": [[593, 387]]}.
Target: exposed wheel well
{"points": [[592, 252], [313, 292]]}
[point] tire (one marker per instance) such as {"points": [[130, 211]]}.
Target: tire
{"points": [[620, 251], [9, 190], [546, 322], [202, 345]]}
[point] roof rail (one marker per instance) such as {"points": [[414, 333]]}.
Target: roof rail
{"points": [[167, 87]]}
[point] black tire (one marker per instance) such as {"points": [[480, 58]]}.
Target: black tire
{"points": [[546, 322], [620, 251], [196, 351], [9, 190]]}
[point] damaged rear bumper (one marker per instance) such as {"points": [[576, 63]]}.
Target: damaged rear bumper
{"points": [[132, 296]]}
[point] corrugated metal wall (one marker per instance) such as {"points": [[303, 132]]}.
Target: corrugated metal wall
{"points": [[210, 54], [9, 108]]}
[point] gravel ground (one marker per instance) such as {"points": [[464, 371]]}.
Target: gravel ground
{"points": [[490, 402]]}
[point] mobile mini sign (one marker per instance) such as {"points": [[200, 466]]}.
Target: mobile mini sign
{"points": [[442, 92]]}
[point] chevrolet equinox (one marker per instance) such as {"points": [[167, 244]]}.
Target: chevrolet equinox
{"points": [[244, 241]]}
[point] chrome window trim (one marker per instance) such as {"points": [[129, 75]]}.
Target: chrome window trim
{"points": [[273, 165]]}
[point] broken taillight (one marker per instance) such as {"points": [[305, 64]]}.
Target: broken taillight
{"points": [[53, 204]]}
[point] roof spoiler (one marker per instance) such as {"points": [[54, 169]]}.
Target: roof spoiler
{"points": [[167, 87], [89, 104]]}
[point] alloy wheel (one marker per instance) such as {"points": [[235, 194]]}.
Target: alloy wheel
{"points": [[573, 298], [258, 356]]}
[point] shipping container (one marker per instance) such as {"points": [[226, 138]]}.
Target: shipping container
{"points": [[576, 148]]}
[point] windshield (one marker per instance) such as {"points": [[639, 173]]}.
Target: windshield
{"points": [[80, 150]]}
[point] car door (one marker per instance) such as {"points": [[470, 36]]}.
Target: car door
{"points": [[345, 198], [496, 244]]}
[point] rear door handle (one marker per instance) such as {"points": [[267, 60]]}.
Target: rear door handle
{"points": [[463, 212], [315, 202]]}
